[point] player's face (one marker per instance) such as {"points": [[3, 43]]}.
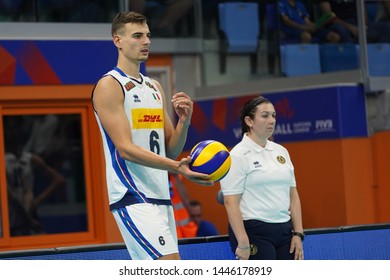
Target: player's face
{"points": [[263, 123], [135, 41]]}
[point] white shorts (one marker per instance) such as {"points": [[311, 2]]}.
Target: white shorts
{"points": [[148, 230]]}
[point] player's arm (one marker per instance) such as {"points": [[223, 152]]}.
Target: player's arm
{"points": [[176, 136]]}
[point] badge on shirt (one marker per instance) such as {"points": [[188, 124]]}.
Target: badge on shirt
{"points": [[281, 159], [253, 249]]}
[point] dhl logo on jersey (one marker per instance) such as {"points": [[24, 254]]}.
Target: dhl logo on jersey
{"points": [[147, 118]]}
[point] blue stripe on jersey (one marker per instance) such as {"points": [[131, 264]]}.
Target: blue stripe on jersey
{"points": [[124, 75], [123, 174], [129, 200], [129, 224], [120, 72], [126, 179]]}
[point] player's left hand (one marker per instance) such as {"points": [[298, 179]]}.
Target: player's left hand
{"points": [[183, 106]]}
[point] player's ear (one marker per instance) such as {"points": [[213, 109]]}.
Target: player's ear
{"points": [[117, 41]]}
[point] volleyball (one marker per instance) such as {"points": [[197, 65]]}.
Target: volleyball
{"points": [[210, 157]]}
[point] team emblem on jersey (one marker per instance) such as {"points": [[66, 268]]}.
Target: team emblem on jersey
{"points": [[129, 86], [150, 85], [281, 159], [156, 97], [155, 94], [253, 249]]}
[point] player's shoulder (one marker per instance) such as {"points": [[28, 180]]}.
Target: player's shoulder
{"points": [[154, 83], [107, 88], [107, 81], [157, 83]]}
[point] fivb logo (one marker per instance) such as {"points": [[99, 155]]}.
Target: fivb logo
{"points": [[324, 125]]}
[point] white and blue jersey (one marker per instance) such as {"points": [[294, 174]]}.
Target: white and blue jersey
{"points": [[127, 182]]}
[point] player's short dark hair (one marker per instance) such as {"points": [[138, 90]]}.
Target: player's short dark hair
{"points": [[122, 18]]}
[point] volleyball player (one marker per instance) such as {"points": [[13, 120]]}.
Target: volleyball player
{"points": [[141, 144]]}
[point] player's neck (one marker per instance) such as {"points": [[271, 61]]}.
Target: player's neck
{"points": [[131, 70]]}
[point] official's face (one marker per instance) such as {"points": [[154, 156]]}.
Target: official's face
{"points": [[263, 123]]}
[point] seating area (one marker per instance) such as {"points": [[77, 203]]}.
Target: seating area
{"points": [[339, 57], [240, 33], [239, 30], [378, 59], [300, 59], [307, 59]]}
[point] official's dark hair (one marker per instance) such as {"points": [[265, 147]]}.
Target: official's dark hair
{"points": [[249, 109], [126, 17]]}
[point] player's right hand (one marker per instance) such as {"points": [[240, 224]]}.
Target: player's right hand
{"points": [[196, 177]]}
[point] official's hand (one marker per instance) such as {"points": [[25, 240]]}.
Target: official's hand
{"points": [[296, 248], [243, 252]]}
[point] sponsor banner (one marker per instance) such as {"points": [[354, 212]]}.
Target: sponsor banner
{"points": [[48, 62], [302, 115]]}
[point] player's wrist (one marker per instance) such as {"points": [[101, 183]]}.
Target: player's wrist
{"points": [[185, 123]]}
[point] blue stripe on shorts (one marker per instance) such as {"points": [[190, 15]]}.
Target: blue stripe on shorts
{"points": [[131, 227]]}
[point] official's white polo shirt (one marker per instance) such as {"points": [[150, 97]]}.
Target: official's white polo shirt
{"points": [[264, 177]]}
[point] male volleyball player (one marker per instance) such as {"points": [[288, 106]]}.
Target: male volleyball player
{"points": [[141, 144]]}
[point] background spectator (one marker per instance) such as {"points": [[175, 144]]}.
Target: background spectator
{"points": [[297, 25], [346, 22], [163, 23], [205, 228], [329, 21], [383, 12]]}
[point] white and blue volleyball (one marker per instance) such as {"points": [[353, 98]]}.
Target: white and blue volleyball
{"points": [[210, 157]]}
